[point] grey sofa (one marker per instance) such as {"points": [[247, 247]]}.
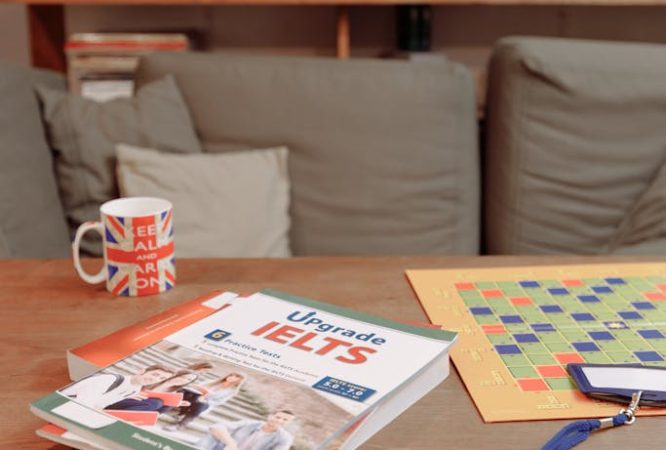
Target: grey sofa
{"points": [[575, 148], [385, 157]]}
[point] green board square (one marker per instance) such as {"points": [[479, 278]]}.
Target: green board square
{"points": [[472, 302], [625, 335], [541, 358], [500, 338], [594, 281], [656, 279], [533, 348], [515, 360], [517, 327], [528, 309], [610, 346], [622, 357], [486, 319], [635, 346], [513, 292], [486, 285], [595, 358], [498, 301], [508, 285], [605, 316], [578, 289], [503, 310], [470, 294], [551, 337], [560, 318], [523, 372], [575, 335], [560, 384], [542, 300], [658, 344], [535, 318], [558, 347]]}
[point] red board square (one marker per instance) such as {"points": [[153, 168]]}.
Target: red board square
{"points": [[521, 301], [572, 283], [566, 358], [529, 384], [552, 371], [493, 329], [491, 293], [661, 287], [655, 296], [465, 286]]}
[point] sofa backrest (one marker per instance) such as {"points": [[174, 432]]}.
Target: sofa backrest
{"points": [[32, 222], [576, 136], [383, 154]]}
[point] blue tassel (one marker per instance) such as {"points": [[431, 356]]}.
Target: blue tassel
{"points": [[577, 432]]}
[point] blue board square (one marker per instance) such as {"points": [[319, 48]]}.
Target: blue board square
{"points": [[602, 289], [558, 291], [580, 317], [542, 327], [601, 336], [616, 325], [525, 338], [589, 298], [511, 319], [615, 281], [651, 334], [643, 305], [551, 308], [585, 346], [629, 315], [648, 356], [481, 311], [508, 349], [529, 284]]}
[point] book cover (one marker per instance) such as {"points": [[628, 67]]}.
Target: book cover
{"points": [[281, 372], [89, 358]]}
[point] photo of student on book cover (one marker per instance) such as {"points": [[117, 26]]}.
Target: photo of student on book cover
{"points": [[219, 405], [117, 391], [200, 398]]}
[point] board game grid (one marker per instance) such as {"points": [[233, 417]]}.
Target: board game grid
{"points": [[538, 326]]}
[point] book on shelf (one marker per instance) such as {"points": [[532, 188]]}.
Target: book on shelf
{"points": [[268, 370], [101, 66]]}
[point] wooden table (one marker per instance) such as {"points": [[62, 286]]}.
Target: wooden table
{"points": [[47, 309]]}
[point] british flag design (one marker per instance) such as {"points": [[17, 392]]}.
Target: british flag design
{"points": [[139, 254]]}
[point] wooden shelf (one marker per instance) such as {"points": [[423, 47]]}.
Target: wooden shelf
{"points": [[47, 29]]}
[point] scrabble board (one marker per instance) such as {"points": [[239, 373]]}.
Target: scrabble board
{"points": [[519, 327]]}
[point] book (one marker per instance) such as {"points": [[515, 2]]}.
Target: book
{"points": [[101, 66], [281, 371], [62, 436], [91, 357]]}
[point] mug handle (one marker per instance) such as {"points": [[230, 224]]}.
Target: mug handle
{"points": [[76, 248]]}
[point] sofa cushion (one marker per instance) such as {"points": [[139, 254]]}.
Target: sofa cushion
{"points": [[575, 134], [383, 154], [226, 205], [643, 229], [32, 223], [84, 134]]}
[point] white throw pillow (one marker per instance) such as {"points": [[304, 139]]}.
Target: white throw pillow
{"points": [[224, 205]]}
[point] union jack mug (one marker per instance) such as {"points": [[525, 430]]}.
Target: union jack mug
{"points": [[138, 246]]}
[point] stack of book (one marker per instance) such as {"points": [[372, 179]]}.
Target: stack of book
{"points": [[263, 371], [101, 66]]}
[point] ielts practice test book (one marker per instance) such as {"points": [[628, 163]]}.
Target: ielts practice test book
{"points": [[286, 372]]}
